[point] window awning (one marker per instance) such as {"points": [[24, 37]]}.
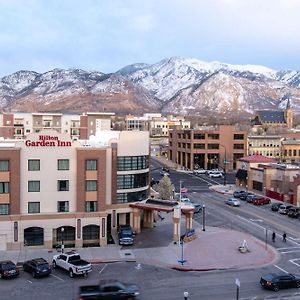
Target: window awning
{"points": [[241, 174]]}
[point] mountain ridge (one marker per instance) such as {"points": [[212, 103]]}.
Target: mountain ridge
{"points": [[172, 85]]}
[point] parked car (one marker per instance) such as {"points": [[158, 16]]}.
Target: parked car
{"points": [[232, 202], [294, 212], [200, 171], [261, 201], [125, 234], [72, 262], [239, 193], [250, 198], [215, 175], [283, 208], [245, 195], [198, 206], [37, 267], [184, 190], [109, 289], [275, 206], [276, 282], [8, 269]]}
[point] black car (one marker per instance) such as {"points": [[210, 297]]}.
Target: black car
{"points": [[245, 195], [8, 269], [294, 212], [275, 206], [251, 197], [38, 267], [238, 194], [276, 282], [109, 289]]}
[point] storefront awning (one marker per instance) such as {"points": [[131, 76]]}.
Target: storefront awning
{"points": [[241, 174]]}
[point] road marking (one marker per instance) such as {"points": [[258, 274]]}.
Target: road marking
{"points": [[281, 269], [295, 239], [29, 281], [293, 251], [102, 269], [256, 220], [293, 261], [57, 277], [288, 248]]}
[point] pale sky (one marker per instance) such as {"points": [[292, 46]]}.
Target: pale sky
{"points": [[106, 35]]}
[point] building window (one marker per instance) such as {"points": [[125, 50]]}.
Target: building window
{"points": [[238, 136], [91, 185], [91, 206], [238, 146], [33, 164], [4, 187], [199, 136], [4, 165], [4, 209], [127, 163], [132, 181], [213, 146], [91, 164], [257, 185], [63, 206], [213, 136], [63, 164], [132, 197], [33, 207], [62, 185], [34, 186], [294, 152], [199, 146]]}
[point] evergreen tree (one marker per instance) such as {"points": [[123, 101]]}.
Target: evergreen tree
{"points": [[165, 188]]}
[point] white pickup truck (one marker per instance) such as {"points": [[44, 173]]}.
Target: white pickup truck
{"points": [[71, 262]]}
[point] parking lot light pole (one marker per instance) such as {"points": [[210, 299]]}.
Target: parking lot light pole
{"points": [[203, 218], [62, 229]]}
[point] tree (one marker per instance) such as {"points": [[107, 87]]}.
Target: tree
{"points": [[165, 188]]}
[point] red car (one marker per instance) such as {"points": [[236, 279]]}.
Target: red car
{"points": [[261, 201]]}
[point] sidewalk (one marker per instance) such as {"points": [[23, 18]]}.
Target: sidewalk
{"points": [[213, 249]]}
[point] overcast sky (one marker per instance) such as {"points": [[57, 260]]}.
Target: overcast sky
{"points": [[106, 35]]}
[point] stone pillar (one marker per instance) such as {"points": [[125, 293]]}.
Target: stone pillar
{"points": [[148, 219], [103, 231], [78, 233], [136, 220], [189, 220], [176, 224]]}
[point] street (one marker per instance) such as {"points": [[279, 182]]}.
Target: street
{"points": [[166, 284]]}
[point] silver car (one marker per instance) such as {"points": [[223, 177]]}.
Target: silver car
{"points": [[233, 202]]}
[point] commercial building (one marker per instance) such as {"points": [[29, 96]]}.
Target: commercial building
{"points": [[265, 176], [207, 147], [54, 188]]}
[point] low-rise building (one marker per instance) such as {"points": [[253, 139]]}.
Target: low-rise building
{"points": [[207, 147]]}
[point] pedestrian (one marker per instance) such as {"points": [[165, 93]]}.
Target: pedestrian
{"points": [[273, 236], [284, 237]]}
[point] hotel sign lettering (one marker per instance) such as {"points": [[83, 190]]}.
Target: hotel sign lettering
{"points": [[48, 141]]}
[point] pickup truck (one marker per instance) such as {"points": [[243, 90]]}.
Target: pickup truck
{"points": [[108, 289], [71, 262]]}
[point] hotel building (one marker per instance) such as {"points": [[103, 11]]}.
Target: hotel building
{"points": [[49, 181]]}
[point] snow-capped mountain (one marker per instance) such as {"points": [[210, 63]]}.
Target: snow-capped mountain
{"points": [[175, 85]]}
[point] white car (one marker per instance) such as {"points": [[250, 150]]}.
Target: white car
{"points": [[215, 174], [233, 202], [200, 171]]}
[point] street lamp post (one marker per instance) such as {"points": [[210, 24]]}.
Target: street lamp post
{"points": [[62, 229], [203, 217], [224, 163]]}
